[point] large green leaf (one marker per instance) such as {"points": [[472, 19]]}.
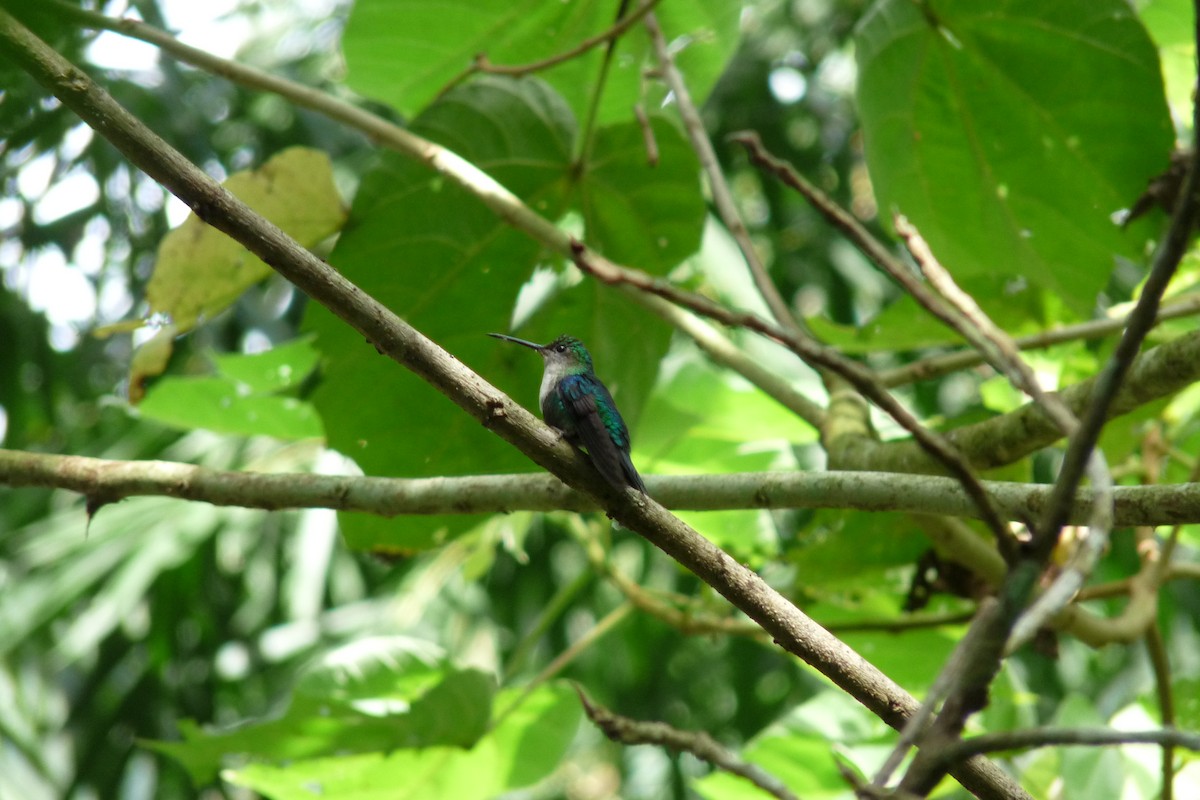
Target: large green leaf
{"points": [[1010, 132], [407, 54], [437, 256], [647, 217]]}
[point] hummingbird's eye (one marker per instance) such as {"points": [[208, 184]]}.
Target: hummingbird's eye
{"points": [[562, 348]]}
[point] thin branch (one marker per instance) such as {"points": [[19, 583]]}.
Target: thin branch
{"points": [[960, 667], [996, 345], [1066, 737], [721, 195], [944, 363], [1176, 571], [394, 338], [624, 730], [587, 132], [1156, 373], [560, 662], [551, 612], [855, 232], [648, 140], [812, 353], [977, 327], [1160, 661], [483, 64]]}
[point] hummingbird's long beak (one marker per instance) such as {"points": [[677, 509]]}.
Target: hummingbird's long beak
{"points": [[515, 340]]}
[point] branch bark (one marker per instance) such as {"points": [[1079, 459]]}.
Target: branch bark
{"points": [[110, 481]]}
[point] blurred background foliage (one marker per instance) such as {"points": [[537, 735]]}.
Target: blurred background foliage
{"points": [[164, 611]]}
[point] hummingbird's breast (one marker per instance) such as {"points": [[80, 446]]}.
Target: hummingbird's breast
{"points": [[554, 410], [549, 380]]}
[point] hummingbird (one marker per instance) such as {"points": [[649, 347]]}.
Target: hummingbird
{"points": [[574, 401]]}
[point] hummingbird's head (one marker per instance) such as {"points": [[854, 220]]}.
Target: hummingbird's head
{"points": [[567, 354]]}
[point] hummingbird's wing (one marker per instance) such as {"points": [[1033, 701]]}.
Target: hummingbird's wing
{"points": [[600, 429]]}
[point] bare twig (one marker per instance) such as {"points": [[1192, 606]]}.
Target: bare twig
{"points": [[624, 730], [483, 64], [945, 363], [1161, 664], [648, 140], [722, 197], [1067, 737], [854, 231], [560, 662]]}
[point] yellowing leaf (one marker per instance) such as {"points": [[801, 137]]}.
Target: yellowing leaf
{"points": [[200, 270]]}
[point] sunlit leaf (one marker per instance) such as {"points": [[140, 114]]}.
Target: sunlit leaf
{"points": [[523, 748], [407, 54]]}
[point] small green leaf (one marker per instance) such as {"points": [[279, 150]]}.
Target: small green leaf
{"points": [[240, 399], [703, 420], [281, 367], [224, 405]]}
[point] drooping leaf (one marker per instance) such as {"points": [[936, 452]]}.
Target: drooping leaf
{"points": [[200, 271]]}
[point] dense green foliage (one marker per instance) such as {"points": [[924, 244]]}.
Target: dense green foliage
{"points": [[162, 647]]}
